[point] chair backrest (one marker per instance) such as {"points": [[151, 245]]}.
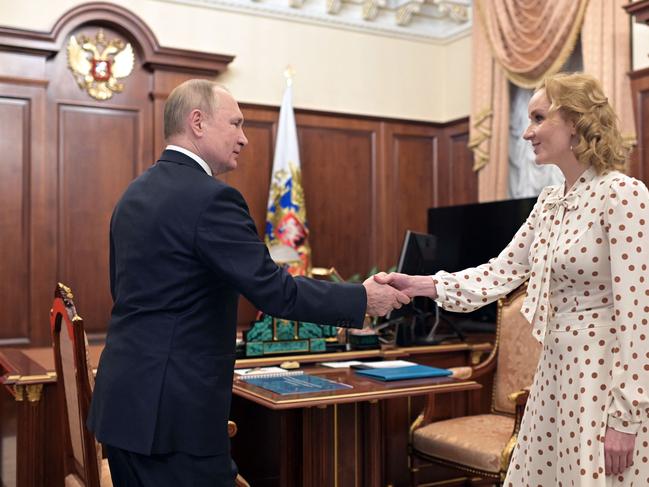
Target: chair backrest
{"points": [[82, 459], [518, 352]]}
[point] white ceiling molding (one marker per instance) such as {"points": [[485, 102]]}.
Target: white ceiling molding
{"points": [[435, 21]]}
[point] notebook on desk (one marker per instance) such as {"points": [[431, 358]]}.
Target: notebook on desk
{"points": [[263, 372], [296, 384], [402, 373]]}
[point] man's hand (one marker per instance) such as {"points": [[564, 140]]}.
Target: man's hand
{"points": [[618, 451], [382, 299], [409, 285]]}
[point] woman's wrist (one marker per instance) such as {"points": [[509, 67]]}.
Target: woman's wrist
{"points": [[425, 286]]}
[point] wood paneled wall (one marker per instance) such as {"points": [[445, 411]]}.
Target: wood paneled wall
{"points": [[67, 158], [640, 157], [639, 167], [366, 181]]}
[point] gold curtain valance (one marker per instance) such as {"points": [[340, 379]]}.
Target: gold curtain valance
{"points": [[531, 39]]}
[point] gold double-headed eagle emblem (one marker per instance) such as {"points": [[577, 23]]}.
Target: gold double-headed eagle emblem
{"points": [[98, 65]]}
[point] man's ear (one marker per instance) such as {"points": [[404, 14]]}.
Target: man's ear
{"points": [[196, 120]]}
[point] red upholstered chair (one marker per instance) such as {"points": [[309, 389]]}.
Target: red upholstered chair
{"points": [[83, 464], [480, 446]]}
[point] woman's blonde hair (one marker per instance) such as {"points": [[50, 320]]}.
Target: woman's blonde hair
{"points": [[579, 98]]}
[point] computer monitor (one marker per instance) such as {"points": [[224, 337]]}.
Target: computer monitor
{"points": [[419, 256], [417, 253], [470, 235]]}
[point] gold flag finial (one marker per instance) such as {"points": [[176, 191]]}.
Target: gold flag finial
{"points": [[289, 72]]}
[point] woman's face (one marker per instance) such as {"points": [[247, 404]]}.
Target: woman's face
{"points": [[550, 134]]}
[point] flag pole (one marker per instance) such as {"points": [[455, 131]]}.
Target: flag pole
{"points": [[289, 72], [287, 230]]}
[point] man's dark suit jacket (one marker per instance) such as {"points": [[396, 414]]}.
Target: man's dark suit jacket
{"points": [[182, 248]]}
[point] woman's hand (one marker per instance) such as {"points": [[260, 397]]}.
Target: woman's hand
{"points": [[409, 285], [618, 451]]}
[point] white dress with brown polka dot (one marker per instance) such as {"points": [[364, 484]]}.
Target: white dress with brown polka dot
{"points": [[586, 255]]}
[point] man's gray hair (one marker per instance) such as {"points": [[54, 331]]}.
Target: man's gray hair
{"points": [[190, 95]]}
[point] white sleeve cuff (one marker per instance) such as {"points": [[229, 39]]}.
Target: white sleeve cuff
{"points": [[622, 425], [440, 289]]}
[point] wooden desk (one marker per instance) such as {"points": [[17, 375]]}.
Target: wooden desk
{"points": [[340, 442], [363, 389], [30, 412]]}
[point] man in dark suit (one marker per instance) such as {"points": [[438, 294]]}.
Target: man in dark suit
{"points": [[182, 248]]}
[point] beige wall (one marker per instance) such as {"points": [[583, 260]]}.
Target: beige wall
{"points": [[336, 70], [458, 78]]}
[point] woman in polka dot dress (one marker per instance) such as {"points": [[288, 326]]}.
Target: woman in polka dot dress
{"points": [[585, 250]]}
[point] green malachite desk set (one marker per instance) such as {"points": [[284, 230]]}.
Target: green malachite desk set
{"points": [[274, 336]]}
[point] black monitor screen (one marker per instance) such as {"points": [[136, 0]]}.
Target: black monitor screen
{"points": [[417, 254], [417, 257], [470, 235]]}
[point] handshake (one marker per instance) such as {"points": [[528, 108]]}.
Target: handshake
{"points": [[386, 292]]}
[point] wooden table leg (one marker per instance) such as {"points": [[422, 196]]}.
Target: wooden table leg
{"points": [[340, 446], [372, 444], [318, 432], [290, 441], [29, 436]]}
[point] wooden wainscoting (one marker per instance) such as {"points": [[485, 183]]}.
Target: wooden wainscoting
{"points": [[366, 181], [640, 158], [639, 167]]}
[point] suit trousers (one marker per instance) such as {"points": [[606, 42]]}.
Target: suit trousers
{"points": [[175, 469]]}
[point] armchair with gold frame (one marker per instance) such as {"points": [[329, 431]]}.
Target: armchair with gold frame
{"points": [[83, 463], [480, 446]]}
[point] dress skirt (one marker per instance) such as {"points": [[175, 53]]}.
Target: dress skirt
{"points": [[561, 440]]}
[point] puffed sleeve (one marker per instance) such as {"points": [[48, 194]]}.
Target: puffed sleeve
{"points": [[474, 287], [627, 223]]}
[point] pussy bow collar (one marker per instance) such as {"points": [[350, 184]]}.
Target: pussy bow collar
{"points": [[536, 307]]}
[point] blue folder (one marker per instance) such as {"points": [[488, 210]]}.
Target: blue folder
{"points": [[401, 373]]}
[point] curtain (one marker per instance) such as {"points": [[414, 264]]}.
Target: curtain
{"points": [[606, 47], [526, 178], [489, 116], [521, 41], [531, 38]]}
